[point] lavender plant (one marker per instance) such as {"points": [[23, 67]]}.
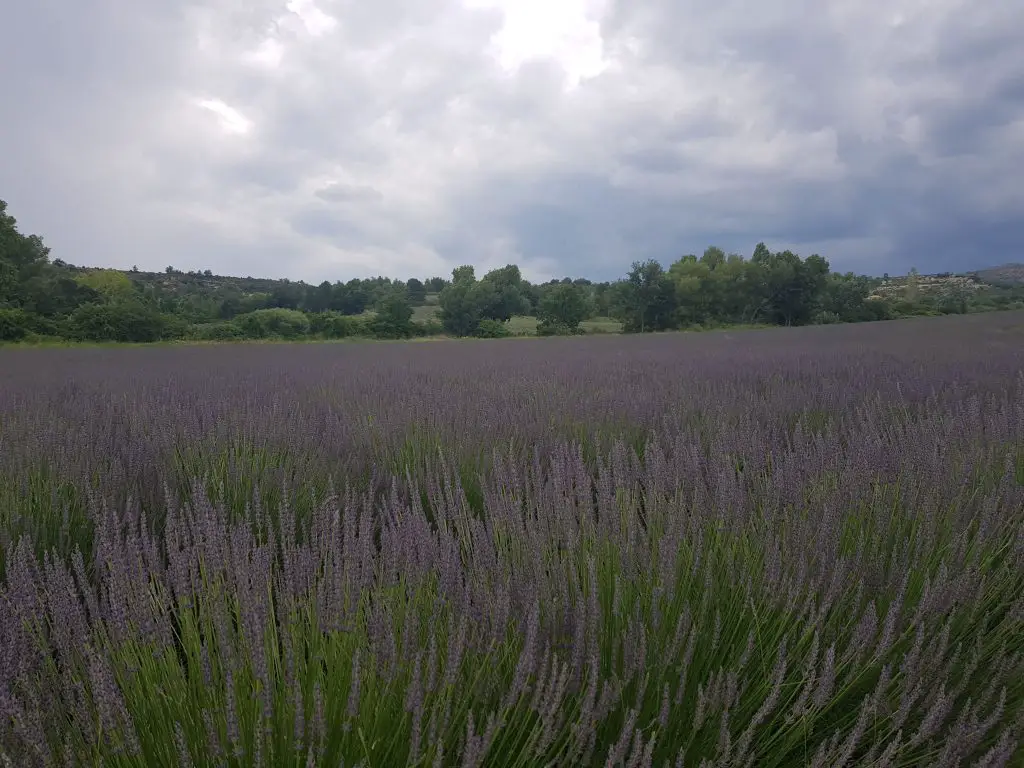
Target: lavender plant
{"points": [[774, 548]]}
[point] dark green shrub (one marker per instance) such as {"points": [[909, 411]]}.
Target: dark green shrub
{"points": [[335, 325], [175, 327], [274, 323], [551, 328], [826, 317], [491, 329], [126, 321], [223, 331], [15, 325], [394, 317], [429, 328]]}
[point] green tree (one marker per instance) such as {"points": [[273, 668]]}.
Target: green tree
{"points": [[762, 255], [416, 291], [735, 288], [845, 300], [230, 306], [254, 301], [502, 294], [30, 282], [8, 282], [111, 284], [55, 293], [531, 297], [787, 289], [647, 298], [464, 274], [318, 298], [460, 312], [394, 315], [562, 308], [22, 258], [286, 295], [463, 301], [804, 297], [353, 298], [713, 257], [601, 299], [691, 280]]}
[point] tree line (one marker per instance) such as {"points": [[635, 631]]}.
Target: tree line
{"points": [[44, 299]]}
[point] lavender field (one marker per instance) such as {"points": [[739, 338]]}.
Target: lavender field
{"points": [[764, 548]]}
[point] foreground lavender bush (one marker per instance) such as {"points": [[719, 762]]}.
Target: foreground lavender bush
{"points": [[772, 548]]}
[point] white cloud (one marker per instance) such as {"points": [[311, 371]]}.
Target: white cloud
{"points": [[231, 120], [268, 54], [315, 21], [567, 31]]}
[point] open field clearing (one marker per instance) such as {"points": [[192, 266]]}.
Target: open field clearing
{"points": [[520, 325], [762, 548]]}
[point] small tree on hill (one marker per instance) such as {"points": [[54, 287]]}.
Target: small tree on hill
{"points": [[416, 291], [436, 284]]}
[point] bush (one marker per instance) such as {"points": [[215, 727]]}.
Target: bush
{"points": [[44, 339], [429, 328], [827, 318], [274, 323], [491, 329], [223, 331], [15, 324], [175, 327], [126, 321], [384, 328], [551, 328], [393, 319], [43, 327], [335, 325]]}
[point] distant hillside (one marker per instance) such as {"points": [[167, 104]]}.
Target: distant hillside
{"points": [[181, 283], [177, 283], [945, 283], [1007, 274]]}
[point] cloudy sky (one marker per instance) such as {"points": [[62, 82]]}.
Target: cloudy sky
{"points": [[330, 139]]}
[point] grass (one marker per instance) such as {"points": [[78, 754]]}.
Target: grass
{"points": [[601, 325], [425, 313], [521, 325]]}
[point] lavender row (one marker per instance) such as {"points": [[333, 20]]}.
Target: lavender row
{"points": [[732, 549]]}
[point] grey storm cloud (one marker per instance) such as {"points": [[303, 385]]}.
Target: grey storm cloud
{"points": [[328, 139]]}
